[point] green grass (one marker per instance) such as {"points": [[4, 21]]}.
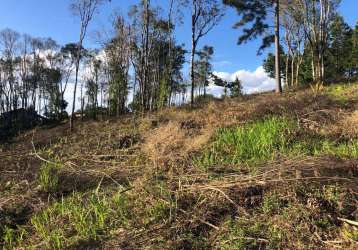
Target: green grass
{"points": [[73, 219], [342, 150], [90, 217], [48, 177], [338, 92], [252, 143], [13, 236], [265, 140]]}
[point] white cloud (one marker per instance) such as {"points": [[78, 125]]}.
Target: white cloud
{"points": [[252, 81]]}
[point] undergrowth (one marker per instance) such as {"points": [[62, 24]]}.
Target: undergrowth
{"points": [[282, 221], [76, 218]]}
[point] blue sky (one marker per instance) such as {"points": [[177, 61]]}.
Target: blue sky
{"points": [[52, 18]]}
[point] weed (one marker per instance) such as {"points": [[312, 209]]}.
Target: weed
{"points": [[9, 236], [79, 217], [338, 92], [163, 205], [12, 236], [271, 203], [350, 232], [48, 177]]}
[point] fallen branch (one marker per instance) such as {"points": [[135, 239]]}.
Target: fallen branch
{"points": [[350, 222]]}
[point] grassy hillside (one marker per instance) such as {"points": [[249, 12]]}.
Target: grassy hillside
{"points": [[260, 172]]}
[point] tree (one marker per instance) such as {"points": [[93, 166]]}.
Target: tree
{"points": [[204, 67], [235, 87], [317, 16], [269, 64], [157, 72], [294, 40], [256, 13], [340, 46], [67, 57], [118, 51], [205, 15], [354, 55], [85, 10], [9, 41]]}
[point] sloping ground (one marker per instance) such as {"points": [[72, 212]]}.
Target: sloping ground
{"points": [[259, 172]]}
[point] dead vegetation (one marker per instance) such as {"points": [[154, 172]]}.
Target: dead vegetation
{"points": [[137, 183]]}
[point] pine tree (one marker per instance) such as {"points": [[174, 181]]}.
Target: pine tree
{"points": [[354, 53], [340, 48], [236, 88], [256, 13]]}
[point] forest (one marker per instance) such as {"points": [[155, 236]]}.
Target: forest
{"points": [[123, 146]]}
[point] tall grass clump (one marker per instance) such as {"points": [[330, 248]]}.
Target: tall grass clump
{"points": [[252, 143], [48, 177]]}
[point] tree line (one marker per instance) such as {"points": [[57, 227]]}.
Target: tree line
{"points": [[142, 59], [318, 46]]}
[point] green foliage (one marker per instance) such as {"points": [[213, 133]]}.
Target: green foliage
{"points": [[341, 150], [269, 63], [354, 53], [254, 18], [351, 233], [338, 92], [163, 205], [236, 88], [340, 47]]}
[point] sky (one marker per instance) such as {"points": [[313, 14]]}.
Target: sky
{"points": [[52, 18]]}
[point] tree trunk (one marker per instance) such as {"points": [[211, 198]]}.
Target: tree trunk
{"points": [[75, 89], [299, 61], [277, 44], [293, 70], [193, 47], [286, 71]]}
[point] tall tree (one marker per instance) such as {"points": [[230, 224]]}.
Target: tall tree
{"points": [[204, 67], [85, 10], [294, 41], [205, 15], [317, 17], [257, 13], [118, 51], [340, 46], [354, 55], [9, 43]]}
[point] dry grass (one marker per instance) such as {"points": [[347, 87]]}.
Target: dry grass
{"points": [[349, 125], [169, 202]]}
